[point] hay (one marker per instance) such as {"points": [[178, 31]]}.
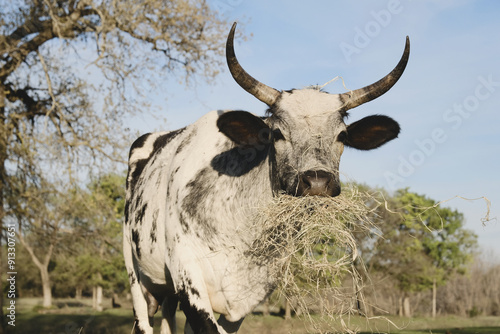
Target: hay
{"points": [[309, 244]]}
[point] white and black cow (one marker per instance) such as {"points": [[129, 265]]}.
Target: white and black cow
{"points": [[191, 194]]}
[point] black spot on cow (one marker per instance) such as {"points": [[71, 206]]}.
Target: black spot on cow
{"points": [[137, 201], [126, 212], [158, 180], [188, 285], [131, 278], [135, 240], [185, 142], [154, 223], [171, 181], [159, 143], [194, 291], [199, 187], [137, 329], [198, 319], [138, 143], [153, 173], [163, 140], [136, 325], [137, 171], [177, 238], [139, 215], [195, 203], [239, 161], [184, 224]]}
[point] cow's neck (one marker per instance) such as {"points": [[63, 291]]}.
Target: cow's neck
{"points": [[223, 198], [249, 195], [254, 189]]}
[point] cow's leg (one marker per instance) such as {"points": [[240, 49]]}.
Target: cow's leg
{"points": [[142, 324], [229, 326], [199, 315], [142, 320], [168, 309], [195, 302]]}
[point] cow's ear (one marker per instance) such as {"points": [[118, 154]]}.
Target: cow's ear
{"points": [[371, 132], [243, 128]]}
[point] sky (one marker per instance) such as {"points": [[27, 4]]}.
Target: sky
{"points": [[447, 102]]}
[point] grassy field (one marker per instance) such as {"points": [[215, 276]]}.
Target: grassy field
{"points": [[73, 317]]}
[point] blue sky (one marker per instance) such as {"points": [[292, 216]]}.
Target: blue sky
{"points": [[447, 102]]}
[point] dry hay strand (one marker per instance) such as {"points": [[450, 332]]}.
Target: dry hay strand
{"points": [[309, 244]]}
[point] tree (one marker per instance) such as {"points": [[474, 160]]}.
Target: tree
{"points": [[446, 245], [70, 71], [42, 214], [83, 225], [421, 245], [477, 292], [106, 207]]}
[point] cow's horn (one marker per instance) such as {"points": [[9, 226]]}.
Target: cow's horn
{"points": [[262, 92], [371, 92]]}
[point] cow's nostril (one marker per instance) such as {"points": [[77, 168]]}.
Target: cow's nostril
{"points": [[317, 183], [316, 179]]}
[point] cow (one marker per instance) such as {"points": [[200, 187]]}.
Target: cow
{"points": [[191, 194]]}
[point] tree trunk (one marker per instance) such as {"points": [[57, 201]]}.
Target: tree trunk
{"points": [[434, 293], [46, 288], [99, 307], [406, 307], [78, 293], [94, 297], [44, 270], [97, 298], [400, 306], [98, 289]]}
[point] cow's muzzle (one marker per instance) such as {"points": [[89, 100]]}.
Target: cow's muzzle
{"points": [[318, 183]]}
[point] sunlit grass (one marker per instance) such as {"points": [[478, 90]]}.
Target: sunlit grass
{"points": [[65, 318]]}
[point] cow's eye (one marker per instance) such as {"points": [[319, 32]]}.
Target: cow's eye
{"points": [[342, 137], [277, 135]]}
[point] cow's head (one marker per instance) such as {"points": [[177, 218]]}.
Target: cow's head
{"points": [[306, 128]]}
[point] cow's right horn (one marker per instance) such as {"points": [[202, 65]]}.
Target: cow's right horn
{"points": [[371, 92], [264, 93]]}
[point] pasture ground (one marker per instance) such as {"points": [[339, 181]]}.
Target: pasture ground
{"points": [[70, 316]]}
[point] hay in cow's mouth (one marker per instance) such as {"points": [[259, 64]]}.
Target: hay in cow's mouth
{"points": [[309, 244]]}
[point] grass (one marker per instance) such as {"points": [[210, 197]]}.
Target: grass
{"points": [[70, 316]]}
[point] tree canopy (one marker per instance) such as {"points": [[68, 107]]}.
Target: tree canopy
{"points": [[71, 71], [420, 244]]}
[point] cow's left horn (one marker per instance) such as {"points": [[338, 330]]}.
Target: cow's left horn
{"points": [[266, 94], [371, 92]]}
